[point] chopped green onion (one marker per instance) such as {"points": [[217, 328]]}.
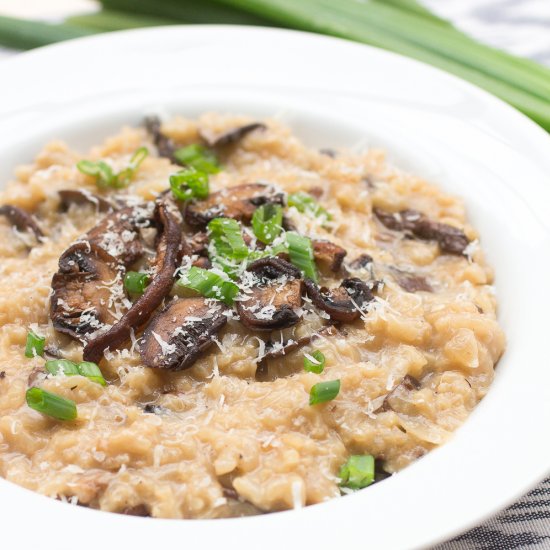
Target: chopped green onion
{"points": [[136, 283], [306, 204], [91, 370], [357, 472], [300, 251], [104, 175], [210, 284], [53, 405], [314, 362], [189, 184], [267, 222], [35, 345], [62, 366], [324, 391], [226, 236], [198, 157]]}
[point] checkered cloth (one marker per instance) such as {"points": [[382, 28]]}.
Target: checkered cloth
{"points": [[521, 27]]}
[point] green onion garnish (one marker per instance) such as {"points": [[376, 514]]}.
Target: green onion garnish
{"points": [[314, 362], [53, 405], [104, 175], [69, 368], [35, 345], [226, 236], [91, 370], [62, 366], [267, 222], [306, 204], [300, 251], [189, 183], [357, 472], [135, 283], [324, 391], [210, 284], [198, 157]]}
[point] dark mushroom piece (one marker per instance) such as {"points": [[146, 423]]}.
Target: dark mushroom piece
{"points": [[411, 282], [364, 261], [82, 197], [165, 146], [168, 252], [273, 301], [328, 254], [80, 301], [21, 220], [180, 333], [407, 385], [238, 202], [451, 240], [343, 303], [232, 136], [140, 510]]}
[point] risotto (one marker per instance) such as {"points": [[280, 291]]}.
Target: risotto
{"points": [[206, 318]]}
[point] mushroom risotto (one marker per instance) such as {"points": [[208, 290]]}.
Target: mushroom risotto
{"points": [[205, 318]]}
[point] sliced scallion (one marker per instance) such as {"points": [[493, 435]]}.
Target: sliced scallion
{"points": [[51, 404], [306, 204], [62, 366], [210, 285], [314, 362], [226, 236], [189, 183], [357, 472], [199, 157], [136, 283], [300, 251], [267, 222], [91, 370], [35, 345], [324, 391]]}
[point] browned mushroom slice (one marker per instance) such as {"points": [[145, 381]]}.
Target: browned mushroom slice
{"points": [[180, 333], [343, 303], [168, 252], [232, 136], [408, 385], [274, 299], [82, 290], [165, 146], [451, 240], [329, 254], [238, 203], [364, 261], [81, 197], [21, 220], [411, 282]]}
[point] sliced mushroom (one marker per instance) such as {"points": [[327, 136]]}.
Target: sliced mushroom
{"points": [[82, 290], [238, 203], [232, 136], [180, 333], [165, 146], [328, 254], [168, 252], [343, 303], [451, 240], [364, 261], [274, 299], [81, 196], [411, 282], [21, 220], [406, 386]]}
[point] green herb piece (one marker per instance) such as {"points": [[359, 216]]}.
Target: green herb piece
{"points": [[91, 370], [324, 391], [314, 362], [189, 183], [306, 204], [51, 404], [198, 157], [62, 366], [300, 251], [357, 472], [35, 345], [210, 285], [104, 175], [226, 236], [136, 283], [267, 222]]}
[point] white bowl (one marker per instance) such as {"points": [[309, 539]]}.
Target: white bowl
{"points": [[333, 93]]}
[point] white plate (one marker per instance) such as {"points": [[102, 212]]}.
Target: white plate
{"points": [[332, 92]]}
